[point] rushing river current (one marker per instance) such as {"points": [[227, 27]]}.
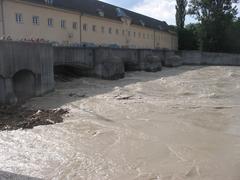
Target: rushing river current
{"points": [[177, 124]]}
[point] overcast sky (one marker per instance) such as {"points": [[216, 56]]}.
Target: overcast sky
{"points": [[159, 9]]}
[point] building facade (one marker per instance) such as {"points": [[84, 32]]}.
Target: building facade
{"points": [[82, 21]]}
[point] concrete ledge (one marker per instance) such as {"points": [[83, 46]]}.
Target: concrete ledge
{"points": [[209, 58]]}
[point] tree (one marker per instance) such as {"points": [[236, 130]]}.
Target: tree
{"points": [[232, 42], [188, 37], [181, 13], [180, 21], [216, 16]]}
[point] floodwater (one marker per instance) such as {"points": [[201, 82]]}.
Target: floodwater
{"points": [[178, 124]]}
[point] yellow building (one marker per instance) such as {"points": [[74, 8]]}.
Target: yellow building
{"points": [[82, 21]]}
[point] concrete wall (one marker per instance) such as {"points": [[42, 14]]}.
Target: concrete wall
{"points": [[128, 56], [22, 62], [207, 58], [78, 57], [133, 59]]}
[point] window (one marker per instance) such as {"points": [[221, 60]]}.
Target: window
{"points": [[103, 29], [19, 18], [94, 28], [134, 34], [110, 30], [85, 27], [123, 32], [35, 20], [129, 33], [74, 25], [50, 22], [63, 24], [143, 35], [117, 31]]}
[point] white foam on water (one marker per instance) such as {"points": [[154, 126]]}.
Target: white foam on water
{"points": [[181, 123]]}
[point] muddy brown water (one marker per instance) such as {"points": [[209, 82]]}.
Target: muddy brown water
{"points": [[178, 124]]}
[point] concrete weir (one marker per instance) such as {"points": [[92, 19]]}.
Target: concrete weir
{"points": [[27, 69]]}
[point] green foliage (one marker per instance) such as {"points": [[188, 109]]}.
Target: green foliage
{"points": [[216, 17], [232, 40], [181, 13], [188, 37]]}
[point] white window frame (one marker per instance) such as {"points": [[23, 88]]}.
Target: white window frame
{"points": [[75, 25], [19, 18], [35, 20], [63, 24], [84, 27], [103, 29], [50, 22]]}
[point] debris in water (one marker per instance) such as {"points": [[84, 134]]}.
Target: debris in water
{"points": [[124, 97], [15, 117], [77, 95]]}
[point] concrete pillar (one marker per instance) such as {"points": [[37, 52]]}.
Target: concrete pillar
{"points": [[10, 96], [149, 62], [38, 85]]}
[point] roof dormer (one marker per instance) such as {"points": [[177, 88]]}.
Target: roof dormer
{"points": [[100, 12], [121, 13], [49, 2], [142, 22]]}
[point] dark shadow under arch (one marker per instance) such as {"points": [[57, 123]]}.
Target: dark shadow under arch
{"points": [[2, 90], [67, 72], [24, 84]]}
